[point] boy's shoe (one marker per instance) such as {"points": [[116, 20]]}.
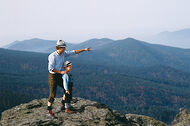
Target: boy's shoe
{"points": [[68, 111], [62, 108]]}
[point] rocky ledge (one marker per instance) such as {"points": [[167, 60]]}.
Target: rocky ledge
{"points": [[88, 113], [182, 119]]}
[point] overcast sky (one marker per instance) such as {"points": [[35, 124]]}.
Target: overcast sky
{"points": [[80, 20]]}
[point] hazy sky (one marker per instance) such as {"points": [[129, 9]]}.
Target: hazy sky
{"points": [[80, 20]]}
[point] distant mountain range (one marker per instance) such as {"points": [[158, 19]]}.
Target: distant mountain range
{"points": [[127, 52], [47, 46], [34, 45], [179, 38], [134, 53]]}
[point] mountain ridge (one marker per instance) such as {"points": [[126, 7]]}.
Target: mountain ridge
{"points": [[179, 38], [34, 45]]}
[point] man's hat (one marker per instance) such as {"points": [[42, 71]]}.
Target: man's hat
{"points": [[61, 43], [67, 63]]}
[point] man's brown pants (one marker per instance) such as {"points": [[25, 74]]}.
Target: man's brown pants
{"points": [[54, 80]]}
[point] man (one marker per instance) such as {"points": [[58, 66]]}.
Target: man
{"points": [[56, 69]]}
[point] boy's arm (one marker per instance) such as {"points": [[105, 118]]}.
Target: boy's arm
{"points": [[82, 50], [65, 82]]}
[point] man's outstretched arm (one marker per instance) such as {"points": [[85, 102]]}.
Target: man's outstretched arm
{"points": [[82, 50]]}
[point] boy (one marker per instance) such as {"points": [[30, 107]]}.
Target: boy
{"points": [[68, 87]]}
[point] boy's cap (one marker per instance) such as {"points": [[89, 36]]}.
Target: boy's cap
{"points": [[67, 63], [61, 43]]}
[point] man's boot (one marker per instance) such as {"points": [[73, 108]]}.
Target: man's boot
{"points": [[50, 114]]}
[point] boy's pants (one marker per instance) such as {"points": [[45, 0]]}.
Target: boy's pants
{"points": [[67, 105], [68, 97]]}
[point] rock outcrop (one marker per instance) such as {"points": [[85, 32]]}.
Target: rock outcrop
{"points": [[182, 119], [141, 120], [88, 113]]}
